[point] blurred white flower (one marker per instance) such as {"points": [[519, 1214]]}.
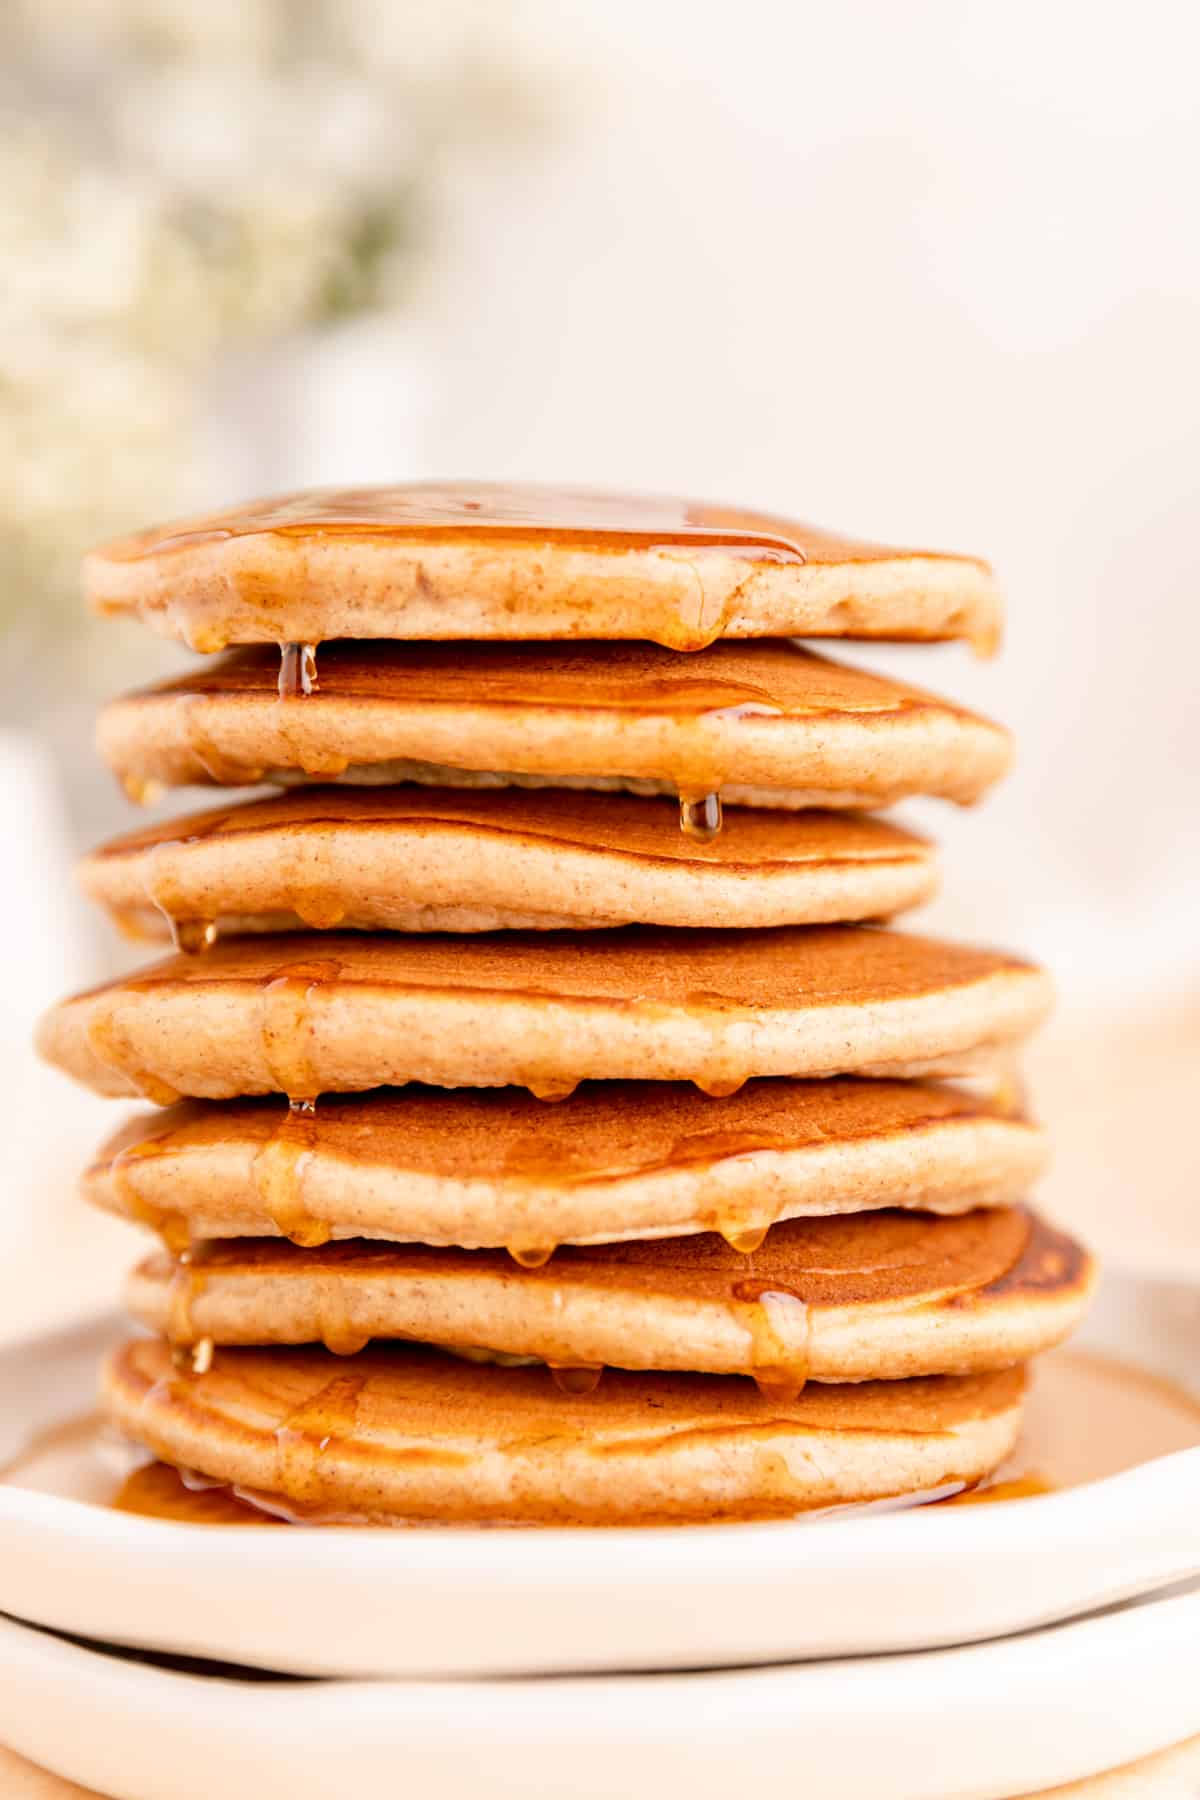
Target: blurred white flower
{"points": [[183, 177]]}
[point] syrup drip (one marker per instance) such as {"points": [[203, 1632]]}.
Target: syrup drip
{"points": [[551, 1091], [745, 1239], [700, 819], [278, 1173], [113, 1051], [287, 1026], [188, 934], [187, 1285], [297, 670], [306, 1434], [297, 680], [576, 1378], [531, 1256], [218, 764], [730, 1187], [707, 767], [1010, 1091], [172, 1227], [338, 1333], [721, 1087], [986, 638], [775, 1316], [314, 899], [141, 790]]}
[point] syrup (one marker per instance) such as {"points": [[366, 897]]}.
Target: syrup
{"points": [[287, 1025], [700, 556], [278, 1174], [700, 819], [158, 1491], [171, 1227], [701, 747], [531, 1256], [187, 1285], [576, 1378], [111, 1049], [297, 670], [339, 1334], [777, 1320], [1088, 1417], [306, 1434]]}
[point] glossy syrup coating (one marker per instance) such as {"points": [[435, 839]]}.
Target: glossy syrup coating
{"points": [[460, 560]]}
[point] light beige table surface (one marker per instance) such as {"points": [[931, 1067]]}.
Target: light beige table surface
{"points": [[1172, 1775]]}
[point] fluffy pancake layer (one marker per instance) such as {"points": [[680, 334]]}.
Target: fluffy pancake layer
{"points": [[478, 560], [877, 1295], [405, 1433], [425, 859], [344, 1012], [617, 1160], [769, 724]]}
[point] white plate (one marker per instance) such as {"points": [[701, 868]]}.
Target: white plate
{"points": [[475, 1602], [978, 1723]]}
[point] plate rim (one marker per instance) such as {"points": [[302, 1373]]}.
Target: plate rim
{"points": [[1075, 1729]]}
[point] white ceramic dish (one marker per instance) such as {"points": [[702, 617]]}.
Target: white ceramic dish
{"points": [[426, 1603], [973, 1723]]}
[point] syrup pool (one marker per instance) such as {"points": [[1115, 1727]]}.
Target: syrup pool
{"points": [[1088, 1416]]}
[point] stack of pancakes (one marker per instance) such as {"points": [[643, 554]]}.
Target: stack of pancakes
{"points": [[550, 1130]]}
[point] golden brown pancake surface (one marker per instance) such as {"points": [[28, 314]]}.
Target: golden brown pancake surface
{"points": [[876, 1296], [400, 1432], [425, 858], [768, 721], [478, 559], [616, 1159], [343, 1012]]}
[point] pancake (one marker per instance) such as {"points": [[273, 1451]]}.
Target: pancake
{"points": [[873, 1296], [765, 724], [400, 1433], [480, 560], [617, 1160], [340, 1012], [422, 859]]}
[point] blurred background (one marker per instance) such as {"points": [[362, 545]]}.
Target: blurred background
{"points": [[928, 273]]}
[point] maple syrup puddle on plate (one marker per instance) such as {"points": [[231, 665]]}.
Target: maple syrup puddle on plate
{"points": [[1062, 1446]]}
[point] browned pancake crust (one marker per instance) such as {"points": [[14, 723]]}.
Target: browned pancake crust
{"points": [[789, 966], [601, 1133], [766, 715], [346, 1012], [404, 1430], [869, 1259], [604, 677], [619, 824]]}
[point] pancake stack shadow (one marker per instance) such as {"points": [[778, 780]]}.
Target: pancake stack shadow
{"points": [[546, 1127]]}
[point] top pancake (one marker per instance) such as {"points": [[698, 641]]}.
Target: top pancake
{"points": [[767, 723], [481, 560]]}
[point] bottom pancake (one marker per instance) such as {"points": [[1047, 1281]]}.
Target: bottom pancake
{"points": [[884, 1294], [408, 1434]]}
